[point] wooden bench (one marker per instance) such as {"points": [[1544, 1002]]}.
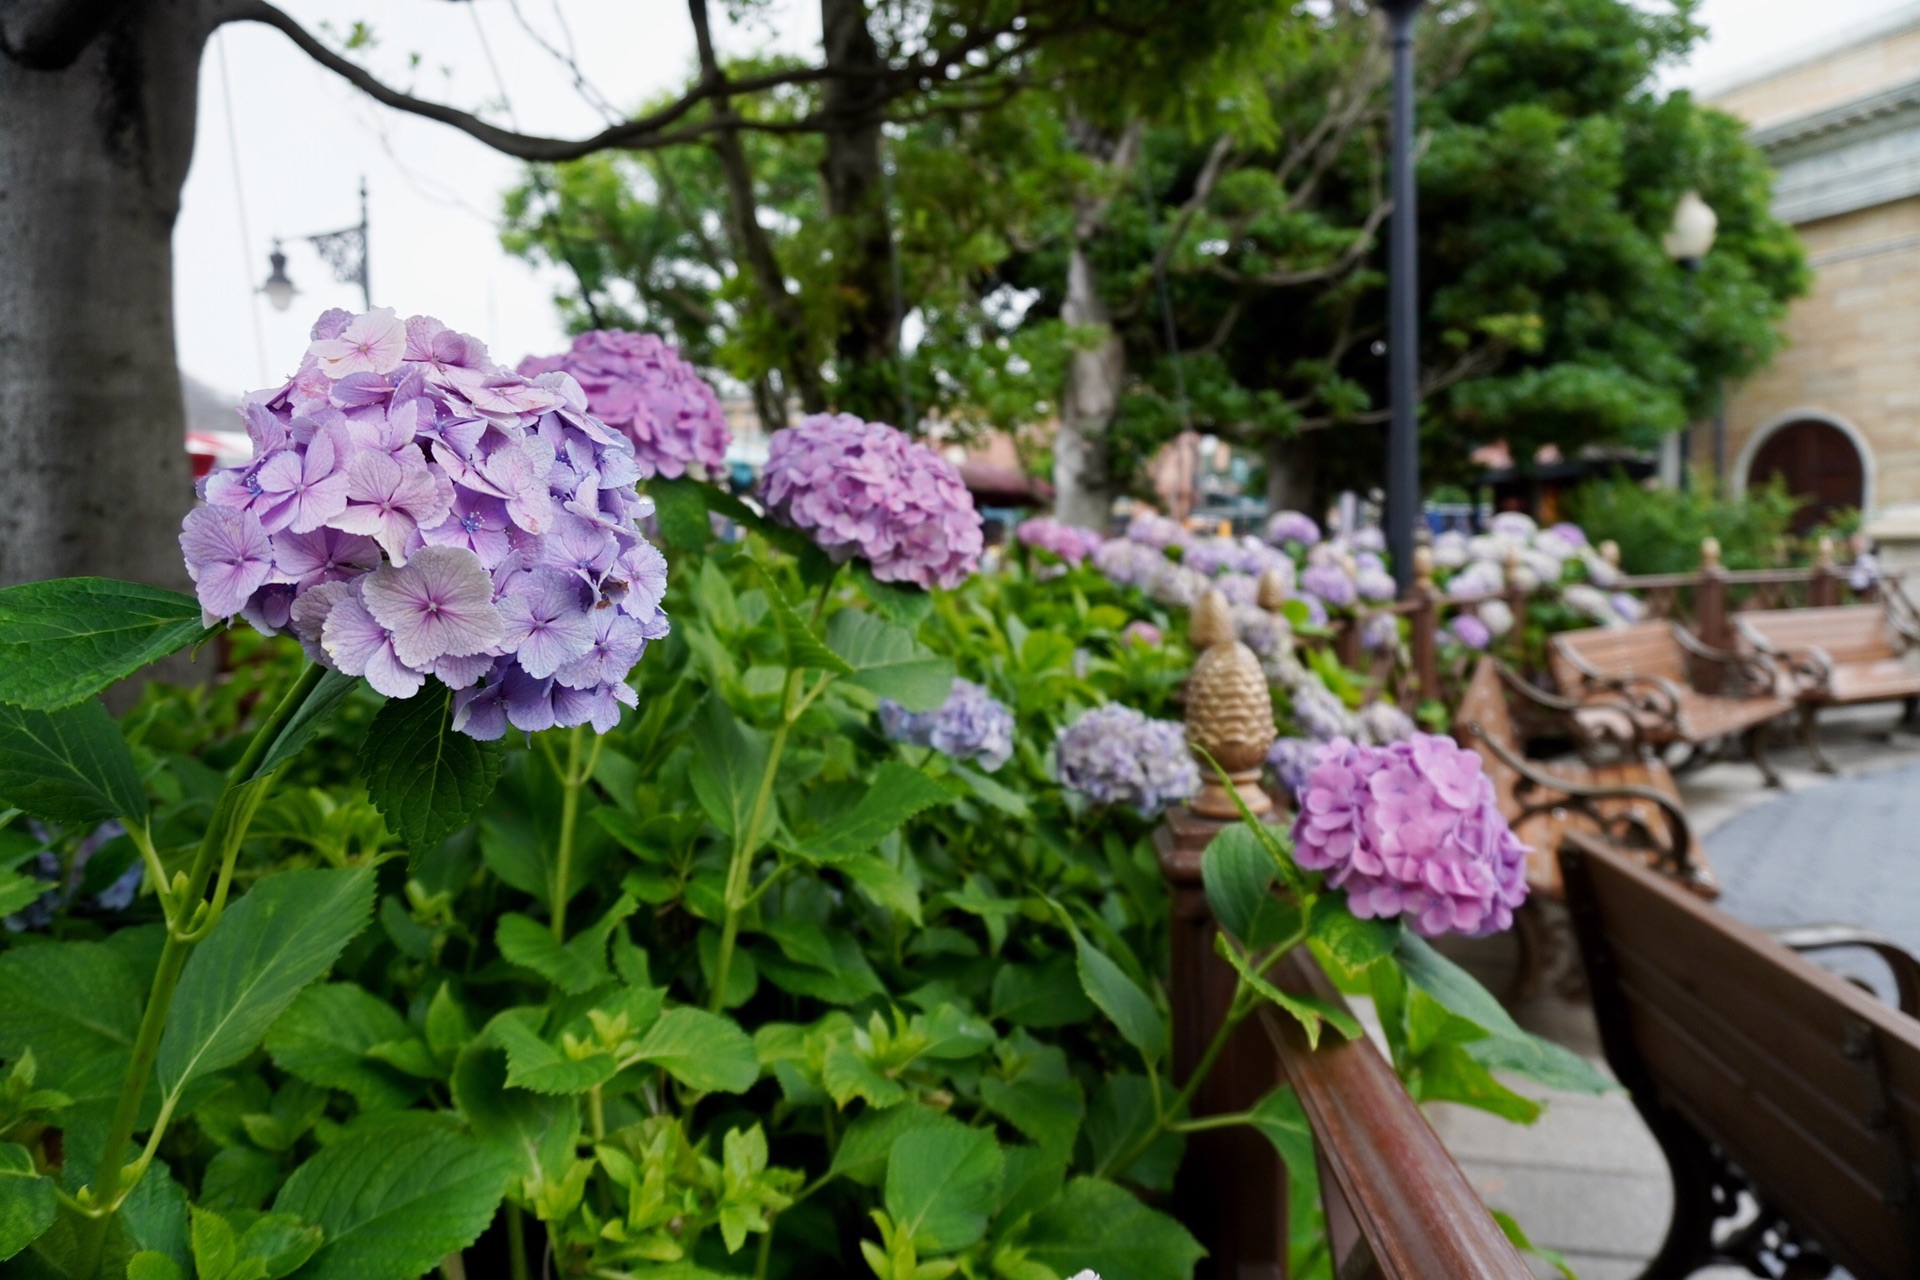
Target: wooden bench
{"points": [[1615, 791], [1758, 1072], [1645, 672], [1842, 656]]}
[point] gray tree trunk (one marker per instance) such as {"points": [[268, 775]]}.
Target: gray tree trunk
{"points": [[1082, 468], [95, 139]]}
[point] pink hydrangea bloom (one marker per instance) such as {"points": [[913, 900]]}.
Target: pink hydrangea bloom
{"points": [[413, 512], [640, 386], [1412, 829], [1070, 542], [864, 489]]}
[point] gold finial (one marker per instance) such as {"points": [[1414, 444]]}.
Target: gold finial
{"points": [[1273, 590], [1610, 552], [1709, 553], [1423, 568], [1823, 554], [1229, 713]]}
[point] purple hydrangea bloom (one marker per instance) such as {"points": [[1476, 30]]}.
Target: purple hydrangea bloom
{"points": [[864, 489], [1568, 531], [413, 511], [1140, 631], [1296, 527], [1331, 583], [1069, 542], [638, 384], [1320, 713], [1116, 755], [1470, 631], [1413, 830], [1128, 563], [1371, 538], [1383, 722], [1155, 530], [1628, 608], [970, 725], [1292, 759], [1512, 524], [1379, 631], [1316, 608]]}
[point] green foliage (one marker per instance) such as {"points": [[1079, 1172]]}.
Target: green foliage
{"points": [[65, 640], [427, 780], [69, 765], [27, 1200], [1660, 530]]}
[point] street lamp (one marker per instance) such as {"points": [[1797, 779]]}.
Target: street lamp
{"points": [[278, 288], [344, 250], [1403, 319], [1687, 241]]}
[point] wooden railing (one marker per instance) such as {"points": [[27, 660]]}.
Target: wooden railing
{"points": [[1397, 1205]]}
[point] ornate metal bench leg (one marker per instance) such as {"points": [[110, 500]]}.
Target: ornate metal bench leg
{"points": [[1810, 738], [1755, 740]]}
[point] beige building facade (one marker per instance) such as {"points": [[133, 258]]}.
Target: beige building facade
{"points": [[1837, 414]]}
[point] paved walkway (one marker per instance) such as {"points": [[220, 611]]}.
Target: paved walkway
{"points": [[1588, 1179]]}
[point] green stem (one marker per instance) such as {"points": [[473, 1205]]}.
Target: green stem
{"points": [[766, 1252], [746, 844], [570, 784], [517, 1244], [1237, 1012], [221, 844]]}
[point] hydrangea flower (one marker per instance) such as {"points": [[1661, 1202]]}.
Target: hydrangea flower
{"points": [[1128, 563], [970, 725], [413, 511], [1512, 524], [865, 489], [1292, 759], [1379, 631], [1155, 530], [1468, 630], [1141, 632], [1383, 722], [637, 384], [1412, 830], [1069, 542], [1497, 615], [1296, 527], [1116, 755], [1627, 608], [1371, 538], [1320, 713], [1590, 601], [1331, 583]]}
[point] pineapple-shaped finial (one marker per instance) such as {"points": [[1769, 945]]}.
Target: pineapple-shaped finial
{"points": [[1229, 712]]}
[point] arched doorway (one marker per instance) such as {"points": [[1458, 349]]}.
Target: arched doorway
{"points": [[1818, 462]]}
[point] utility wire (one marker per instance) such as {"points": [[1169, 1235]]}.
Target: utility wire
{"points": [[240, 205]]}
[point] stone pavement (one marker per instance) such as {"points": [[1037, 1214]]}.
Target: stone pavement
{"points": [[1588, 1179]]}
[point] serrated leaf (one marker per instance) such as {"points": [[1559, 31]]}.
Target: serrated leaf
{"points": [[1308, 1011], [395, 1194], [899, 791], [426, 779], [1040, 995], [27, 1200], [324, 1036], [68, 639], [681, 510], [701, 1050], [284, 934], [1117, 996], [579, 964], [888, 660], [727, 768], [538, 1132], [863, 1151], [69, 765], [1040, 1098], [307, 720], [1278, 1116], [1094, 1225], [534, 1064], [943, 1183], [1349, 941], [902, 603], [77, 1006], [803, 644], [18, 891]]}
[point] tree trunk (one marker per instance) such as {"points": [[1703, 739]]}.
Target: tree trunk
{"points": [[1082, 467], [93, 151], [854, 177], [1292, 474]]}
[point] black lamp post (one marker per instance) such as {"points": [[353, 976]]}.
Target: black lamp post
{"points": [[1687, 242], [344, 250], [1403, 317]]}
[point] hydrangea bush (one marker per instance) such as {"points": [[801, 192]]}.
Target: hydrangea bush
{"points": [[638, 385]]}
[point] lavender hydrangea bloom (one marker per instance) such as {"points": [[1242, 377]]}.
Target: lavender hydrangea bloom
{"points": [[1296, 527], [1469, 631], [1497, 615], [1412, 830], [1627, 608], [1128, 563], [970, 725], [1383, 722], [1512, 524], [413, 511], [1069, 542], [1292, 759], [1568, 532], [1379, 631], [1140, 632], [638, 384], [865, 489], [1116, 755], [1158, 531], [1320, 713], [1371, 538], [1331, 583]]}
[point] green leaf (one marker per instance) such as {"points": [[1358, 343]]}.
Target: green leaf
{"points": [[1453, 987], [943, 1182], [534, 1064], [578, 965], [68, 639], [1131, 1009], [148, 1265], [538, 1133], [1039, 1097], [323, 1038], [282, 935], [1541, 1061], [1040, 995], [426, 780], [681, 509], [898, 792], [1278, 1116], [1094, 1225], [1448, 1073], [69, 765], [907, 605], [995, 795], [804, 646], [18, 891], [727, 768], [76, 1005], [701, 1050], [308, 720], [888, 660], [1517, 1237], [1308, 1011], [1120, 1116], [395, 1194], [864, 1149], [1238, 874], [27, 1200], [1349, 941]]}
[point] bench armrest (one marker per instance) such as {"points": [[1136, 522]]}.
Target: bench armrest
{"points": [[1810, 670], [1824, 937], [1901, 615], [1596, 740], [1755, 671], [1626, 827]]}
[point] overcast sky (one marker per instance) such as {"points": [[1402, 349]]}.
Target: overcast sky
{"points": [[303, 139]]}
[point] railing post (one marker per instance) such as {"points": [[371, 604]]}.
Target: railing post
{"points": [[1232, 1190], [1424, 623], [1710, 609], [1823, 590]]}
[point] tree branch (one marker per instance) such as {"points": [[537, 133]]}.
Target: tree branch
{"points": [[47, 35]]}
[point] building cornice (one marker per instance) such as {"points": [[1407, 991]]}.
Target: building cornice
{"points": [[1834, 121]]}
